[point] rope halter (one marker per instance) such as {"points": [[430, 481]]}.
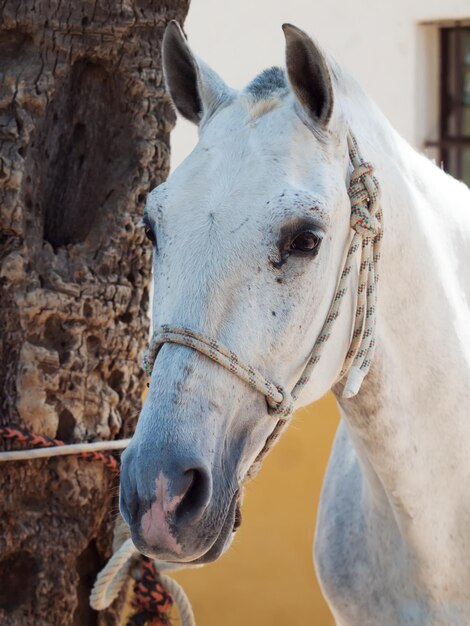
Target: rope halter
{"points": [[366, 219], [277, 398]]}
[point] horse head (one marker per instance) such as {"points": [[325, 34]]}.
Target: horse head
{"points": [[249, 235]]}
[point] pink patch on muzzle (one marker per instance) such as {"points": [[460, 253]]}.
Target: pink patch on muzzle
{"points": [[155, 525]]}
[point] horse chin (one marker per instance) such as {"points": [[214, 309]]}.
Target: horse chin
{"points": [[220, 544], [224, 539]]}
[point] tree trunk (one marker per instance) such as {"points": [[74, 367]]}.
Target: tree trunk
{"points": [[84, 134]]}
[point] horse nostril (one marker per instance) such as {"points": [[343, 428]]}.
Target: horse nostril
{"points": [[195, 498], [128, 497]]}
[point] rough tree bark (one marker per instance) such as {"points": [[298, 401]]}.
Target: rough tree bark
{"points": [[84, 134]]}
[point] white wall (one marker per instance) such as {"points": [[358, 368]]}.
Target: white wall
{"points": [[383, 43]]}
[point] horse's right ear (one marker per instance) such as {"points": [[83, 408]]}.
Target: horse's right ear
{"points": [[309, 75], [196, 90]]}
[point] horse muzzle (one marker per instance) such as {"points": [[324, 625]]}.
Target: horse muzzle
{"points": [[175, 517]]}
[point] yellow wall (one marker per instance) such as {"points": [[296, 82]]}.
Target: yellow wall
{"points": [[267, 576]]}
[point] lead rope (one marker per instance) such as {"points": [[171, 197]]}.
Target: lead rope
{"points": [[366, 222], [114, 575]]}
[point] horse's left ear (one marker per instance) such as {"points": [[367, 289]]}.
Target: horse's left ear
{"points": [[309, 75]]}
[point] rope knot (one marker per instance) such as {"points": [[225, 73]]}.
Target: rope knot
{"points": [[363, 223], [364, 193], [285, 407]]}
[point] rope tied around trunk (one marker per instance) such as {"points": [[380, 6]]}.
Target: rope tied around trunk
{"points": [[153, 592], [366, 222]]}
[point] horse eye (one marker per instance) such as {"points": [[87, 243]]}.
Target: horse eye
{"points": [[306, 241], [149, 233]]}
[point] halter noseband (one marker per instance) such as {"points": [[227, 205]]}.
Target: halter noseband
{"points": [[366, 221]]}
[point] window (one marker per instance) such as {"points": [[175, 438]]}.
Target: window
{"points": [[454, 124]]}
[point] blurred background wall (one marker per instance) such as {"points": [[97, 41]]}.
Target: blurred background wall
{"points": [[413, 58], [394, 49]]}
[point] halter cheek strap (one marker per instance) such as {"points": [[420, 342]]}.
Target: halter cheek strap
{"points": [[366, 222]]}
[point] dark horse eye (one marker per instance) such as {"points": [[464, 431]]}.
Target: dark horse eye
{"points": [[306, 241], [149, 233], [149, 230]]}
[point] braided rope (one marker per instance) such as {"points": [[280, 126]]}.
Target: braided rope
{"points": [[152, 603], [366, 218]]}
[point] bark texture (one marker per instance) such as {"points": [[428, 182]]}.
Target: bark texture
{"points": [[84, 134]]}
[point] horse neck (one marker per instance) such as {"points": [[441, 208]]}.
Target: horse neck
{"points": [[409, 422]]}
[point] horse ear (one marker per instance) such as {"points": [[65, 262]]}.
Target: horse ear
{"points": [[196, 90], [309, 76]]}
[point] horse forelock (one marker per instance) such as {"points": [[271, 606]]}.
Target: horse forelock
{"points": [[270, 82], [265, 92]]}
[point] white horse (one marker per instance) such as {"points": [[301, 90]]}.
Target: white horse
{"points": [[250, 236]]}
